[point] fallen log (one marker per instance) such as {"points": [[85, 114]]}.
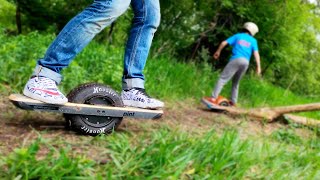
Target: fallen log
{"points": [[302, 120], [271, 114]]}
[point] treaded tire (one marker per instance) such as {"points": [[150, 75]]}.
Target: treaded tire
{"points": [[94, 94], [224, 103]]}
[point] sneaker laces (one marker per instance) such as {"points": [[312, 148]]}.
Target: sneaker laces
{"points": [[143, 92], [47, 83]]}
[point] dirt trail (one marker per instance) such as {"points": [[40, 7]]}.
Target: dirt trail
{"points": [[19, 127]]}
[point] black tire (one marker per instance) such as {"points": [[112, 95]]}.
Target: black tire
{"points": [[224, 103], [94, 94]]}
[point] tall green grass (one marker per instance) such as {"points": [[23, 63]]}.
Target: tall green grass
{"points": [[168, 154], [27, 163], [165, 153], [166, 77]]}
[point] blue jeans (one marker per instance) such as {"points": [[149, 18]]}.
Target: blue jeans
{"points": [[82, 28]]}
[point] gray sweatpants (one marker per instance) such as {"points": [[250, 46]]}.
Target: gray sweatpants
{"points": [[236, 69]]}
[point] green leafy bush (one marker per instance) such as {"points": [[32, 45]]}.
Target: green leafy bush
{"points": [[7, 16]]}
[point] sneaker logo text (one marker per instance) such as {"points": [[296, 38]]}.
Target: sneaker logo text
{"points": [[55, 93]]}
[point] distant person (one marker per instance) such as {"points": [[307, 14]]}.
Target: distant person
{"points": [[243, 45], [80, 31]]}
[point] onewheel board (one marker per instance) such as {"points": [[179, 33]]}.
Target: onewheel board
{"points": [[214, 107], [26, 103], [217, 107]]}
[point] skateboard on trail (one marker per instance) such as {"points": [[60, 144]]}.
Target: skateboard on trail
{"points": [[92, 109], [221, 104]]}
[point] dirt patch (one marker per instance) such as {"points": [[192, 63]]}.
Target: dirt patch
{"points": [[20, 127]]}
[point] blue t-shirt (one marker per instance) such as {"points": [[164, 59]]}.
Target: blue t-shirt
{"points": [[243, 45]]}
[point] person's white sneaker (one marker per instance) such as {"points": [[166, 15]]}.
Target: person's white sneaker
{"points": [[45, 90], [138, 97]]}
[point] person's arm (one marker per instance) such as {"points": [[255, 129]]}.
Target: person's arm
{"points": [[223, 44], [257, 58]]}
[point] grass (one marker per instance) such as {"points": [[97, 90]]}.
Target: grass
{"points": [[168, 154], [24, 163], [166, 77], [164, 153]]}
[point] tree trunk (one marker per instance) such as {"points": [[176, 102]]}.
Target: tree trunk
{"points": [[111, 32], [18, 17]]}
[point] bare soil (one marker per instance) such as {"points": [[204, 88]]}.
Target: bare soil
{"points": [[19, 127]]}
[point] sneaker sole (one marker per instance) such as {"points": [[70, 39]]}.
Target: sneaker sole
{"points": [[137, 105]]}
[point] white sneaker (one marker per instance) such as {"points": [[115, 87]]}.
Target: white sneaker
{"points": [[44, 89], [138, 97]]}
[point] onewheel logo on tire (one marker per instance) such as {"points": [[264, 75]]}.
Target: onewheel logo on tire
{"points": [[103, 90], [130, 114], [91, 131]]}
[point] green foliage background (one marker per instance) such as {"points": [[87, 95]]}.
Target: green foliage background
{"points": [[192, 30], [180, 67]]}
